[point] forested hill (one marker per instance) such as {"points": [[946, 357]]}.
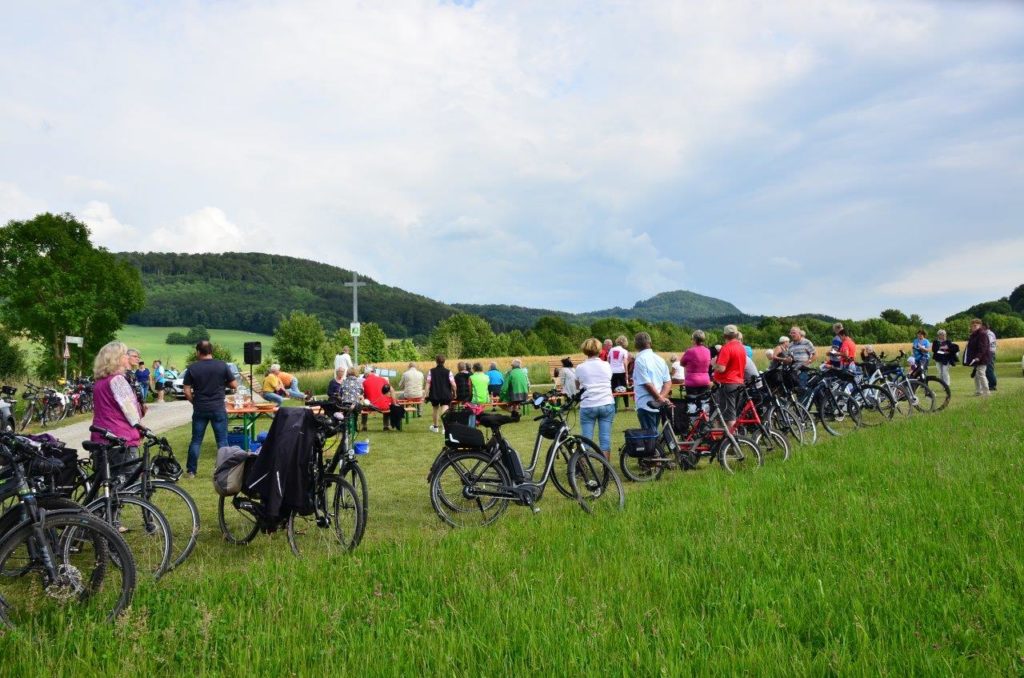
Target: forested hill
{"points": [[253, 291], [680, 307]]}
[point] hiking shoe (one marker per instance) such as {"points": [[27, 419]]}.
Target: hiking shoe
{"points": [[190, 475], [433, 429]]}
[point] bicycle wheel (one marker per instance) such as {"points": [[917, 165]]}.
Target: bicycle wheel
{"points": [[641, 469], [12, 517], [806, 421], [564, 452], [26, 418], [181, 512], [941, 391], [838, 413], [83, 549], [774, 446], [238, 519], [783, 421], [352, 472], [595, 483], [333, 526], [745, 455], [924, 397], [143, 527], [900, 396], [875, 404], [457, 487]]}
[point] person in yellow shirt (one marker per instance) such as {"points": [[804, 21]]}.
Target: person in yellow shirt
{"points": [[290, 383], [271, 385]]}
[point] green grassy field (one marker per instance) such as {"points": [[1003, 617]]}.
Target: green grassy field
{"points": [[896, 550], [151, 343]]}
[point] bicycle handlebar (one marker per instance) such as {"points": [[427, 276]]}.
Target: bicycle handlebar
{"points": [[107, 434]]}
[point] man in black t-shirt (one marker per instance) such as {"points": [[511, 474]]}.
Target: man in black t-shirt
{"points": [[204, 384]]}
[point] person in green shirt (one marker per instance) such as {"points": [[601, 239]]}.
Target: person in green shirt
{"points": [[479, 381], [516, 389]]}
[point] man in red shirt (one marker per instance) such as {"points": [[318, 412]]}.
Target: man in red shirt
{"points": [[729, 367], [380, 398]]}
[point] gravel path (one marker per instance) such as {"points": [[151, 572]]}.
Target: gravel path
{"points": [[160, 417]]}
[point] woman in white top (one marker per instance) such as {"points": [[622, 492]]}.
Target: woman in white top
{"points": [[597, 405], [618, 360], [567, 378]]}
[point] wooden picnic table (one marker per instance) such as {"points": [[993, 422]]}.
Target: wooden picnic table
{"points": [[249, 413]]}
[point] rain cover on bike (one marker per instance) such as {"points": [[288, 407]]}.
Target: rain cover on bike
{"points": [[280, 476]]}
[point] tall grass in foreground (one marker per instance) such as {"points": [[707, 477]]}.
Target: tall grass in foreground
{"points": [[896, 550]]}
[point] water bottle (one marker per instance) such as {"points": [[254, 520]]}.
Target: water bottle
{"points": [[239, 399]]}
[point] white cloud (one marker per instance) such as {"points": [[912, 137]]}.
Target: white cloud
{"points": [[993, 268], [205, 230], [106, 229]]}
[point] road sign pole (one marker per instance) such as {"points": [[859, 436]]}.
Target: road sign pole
{"points": [[355, 285]]}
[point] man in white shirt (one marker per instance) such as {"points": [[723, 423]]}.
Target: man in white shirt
{"points": [[343, 359], [411, 385], [651, 382]]}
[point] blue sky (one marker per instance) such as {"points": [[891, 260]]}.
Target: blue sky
{"points": [[834, 157]]}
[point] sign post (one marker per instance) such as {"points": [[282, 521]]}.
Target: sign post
{"points": [[355, 285], [68, 339]]}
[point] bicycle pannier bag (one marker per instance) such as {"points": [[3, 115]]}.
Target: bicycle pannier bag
{"points": [[230, 471], [463, 437], [641, 442]]}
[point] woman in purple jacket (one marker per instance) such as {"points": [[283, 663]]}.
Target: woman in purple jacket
{"points": [[115, 406]]}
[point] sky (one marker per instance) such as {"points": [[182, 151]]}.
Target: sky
{"points": [[825, 156]]}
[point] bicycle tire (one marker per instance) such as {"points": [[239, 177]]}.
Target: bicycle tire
{"points": [[783, 421], [941, 391], [734, 459], [597, 486], [333, 525], [238, 523], [353, 473], [12, 517], [838, 413], [899, 394], [565, 449], [451, 490], [924, 397], [876, 405], [773, 447], [83, 548], [181, 512], [145, 529], [26, 418]]}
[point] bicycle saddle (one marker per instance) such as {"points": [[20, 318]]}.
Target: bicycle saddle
{"points": [[495, 420], [93, 447]]}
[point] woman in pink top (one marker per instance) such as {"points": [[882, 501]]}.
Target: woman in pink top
{"points": [[115, 406], [697, 363]]}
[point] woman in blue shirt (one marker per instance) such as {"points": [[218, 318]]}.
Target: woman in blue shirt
{"points": [[497, 379], [922, 350]]}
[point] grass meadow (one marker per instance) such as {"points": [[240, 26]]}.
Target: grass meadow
{"points": [[151, 342], [897, 550]]}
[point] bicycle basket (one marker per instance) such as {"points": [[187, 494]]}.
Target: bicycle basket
{"points": [[550, 427], [641, 442], [463, 437]]}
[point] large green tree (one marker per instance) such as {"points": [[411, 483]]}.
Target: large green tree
{"points": [[462, 335], [299, 340], [54, 282]]}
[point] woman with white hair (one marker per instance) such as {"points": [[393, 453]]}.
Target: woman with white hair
{"points": [[781, 352], [115, 406]]}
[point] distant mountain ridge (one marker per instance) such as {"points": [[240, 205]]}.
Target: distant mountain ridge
{"points": [[253, 291]]}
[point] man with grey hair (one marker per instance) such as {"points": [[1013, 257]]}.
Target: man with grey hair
{"points": [[410, 386], [801, 352], [945, 353], [729, 369], [651, 382]]}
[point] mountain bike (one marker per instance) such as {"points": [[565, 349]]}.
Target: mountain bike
{"points": [[826, 398], [783, 412], [939, 388], [472, 482], [908, 394], [53, 559]]}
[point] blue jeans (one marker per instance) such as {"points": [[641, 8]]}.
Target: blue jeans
{"points": [[294, 391], [990, 372], [271, 397], [604, 415], [219, 420], [145, 391], [648, 420]]}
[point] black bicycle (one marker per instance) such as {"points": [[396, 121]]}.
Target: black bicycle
{"points": [[472, 481], [51, 559], [335, 521]]}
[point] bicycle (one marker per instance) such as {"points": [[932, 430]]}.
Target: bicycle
{"points": [[940, 390], [825, 397], [472, 482], [142, 524], [702, 440], [783, 412], [335, 517], [51, 558], [908, 394]]}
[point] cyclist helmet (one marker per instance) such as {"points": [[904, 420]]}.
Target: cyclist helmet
{"points": [[167, 468]]}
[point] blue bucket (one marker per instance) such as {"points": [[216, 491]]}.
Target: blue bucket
{"points": [[362, 447]]}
